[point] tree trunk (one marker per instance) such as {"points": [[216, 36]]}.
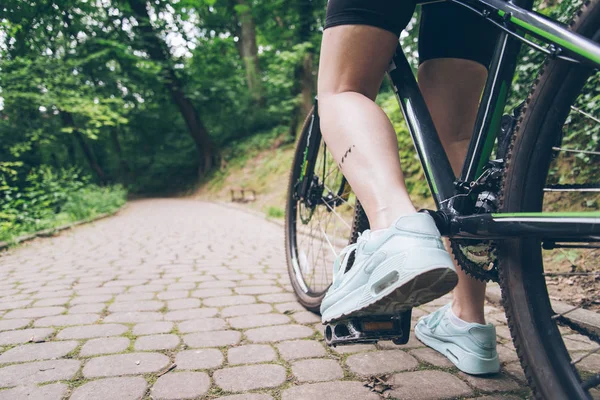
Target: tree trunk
{"points": [[249, 51], [124, 169], [87, 150], [158, 51], [308, 83]]}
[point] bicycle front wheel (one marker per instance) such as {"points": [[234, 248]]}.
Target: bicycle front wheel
{"points": [[554, 165]]}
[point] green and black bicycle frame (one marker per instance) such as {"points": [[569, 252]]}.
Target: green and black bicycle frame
{"points": [[457, 214]]}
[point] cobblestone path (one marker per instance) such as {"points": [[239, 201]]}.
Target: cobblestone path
{"points": [[179, 299]]}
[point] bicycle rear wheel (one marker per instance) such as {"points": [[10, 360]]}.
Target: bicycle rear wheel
{"points": [[320, 222], [559, 354]]}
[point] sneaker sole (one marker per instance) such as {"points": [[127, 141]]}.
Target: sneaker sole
{"points": [[464, 360], [421, 289]]}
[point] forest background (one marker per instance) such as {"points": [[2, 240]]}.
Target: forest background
{"points": [[101, 100]]}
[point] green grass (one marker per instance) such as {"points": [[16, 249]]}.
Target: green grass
{"points": [[82, 204]]}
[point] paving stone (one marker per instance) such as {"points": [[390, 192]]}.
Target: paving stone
{"points": [[24, 335], [86, 308], [317, 370], [181, 385], [147, 289], [181, 286], [515, 371], [432, 357], [257, 282], [277, 298], [506, 355], [289, 307], [148, 305], [182, 304], [216, 284], [199, 359], [195, 313], [129, 297], [345, 390], [34, 312], [174, 294], [58, 301], [152, 328], [254, 321], [418, 385], [296, 349], [38, 351], [212, 339], [591, 363], [66, 320], [257, 289], [91, 331], [246, 396], [112, 388], [306, 317], [413, 343], [38, 372], [9, 305], [206, 293], [10, 324], [104, 346], [228, 301], [202, 325], [241, 379], [125, 364], [54, 391], [278, 333], [250, 354], [248, 309], [102, 290], [134, 317], [492, 383], [157, 342], [91, 299], [381, 362], [355, 348]]}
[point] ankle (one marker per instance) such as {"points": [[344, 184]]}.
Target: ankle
{"points": [[385, 217], [469, 313]]}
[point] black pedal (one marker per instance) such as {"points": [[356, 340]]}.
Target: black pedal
{"points": [[369, 329]]}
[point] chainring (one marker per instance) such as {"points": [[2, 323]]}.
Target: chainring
{"points": [[476, 258]]}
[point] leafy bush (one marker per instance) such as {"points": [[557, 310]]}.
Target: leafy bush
{"points": [[45, 198]]}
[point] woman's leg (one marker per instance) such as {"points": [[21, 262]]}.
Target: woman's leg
{"points": [[358, 133], [452, 89]]}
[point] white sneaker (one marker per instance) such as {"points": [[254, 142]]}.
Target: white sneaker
{"points": [[402, 267]]}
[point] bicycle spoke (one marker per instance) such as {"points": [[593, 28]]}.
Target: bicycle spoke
{"points": [[586, 355], [585, 114], [337, 215]]}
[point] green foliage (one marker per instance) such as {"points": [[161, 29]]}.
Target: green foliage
{"points": [[45, 198], [411, 166], [275, 212]]}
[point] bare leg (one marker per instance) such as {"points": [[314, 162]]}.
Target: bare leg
{"points": [[452, 89], [359, 135]]}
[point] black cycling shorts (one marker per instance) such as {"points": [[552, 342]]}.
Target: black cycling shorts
{"points": [[447, 30]]}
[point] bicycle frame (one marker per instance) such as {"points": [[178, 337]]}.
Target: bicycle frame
{"points": [[514, 19]]}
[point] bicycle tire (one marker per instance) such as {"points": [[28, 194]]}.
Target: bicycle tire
{"points": [[309, 298], [537, 339]]}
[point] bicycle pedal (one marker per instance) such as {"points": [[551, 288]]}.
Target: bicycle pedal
{"points": [[369, 329]]}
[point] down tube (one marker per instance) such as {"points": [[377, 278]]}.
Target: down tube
{"points": [[438, 171]]}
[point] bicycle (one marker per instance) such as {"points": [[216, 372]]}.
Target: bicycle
{"points": [[499, 202]]}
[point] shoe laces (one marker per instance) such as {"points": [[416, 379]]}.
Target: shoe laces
{"points": [[436, 317], [341, 263]]}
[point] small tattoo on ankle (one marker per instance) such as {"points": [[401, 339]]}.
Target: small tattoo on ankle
{"points": [[345, 156]]}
